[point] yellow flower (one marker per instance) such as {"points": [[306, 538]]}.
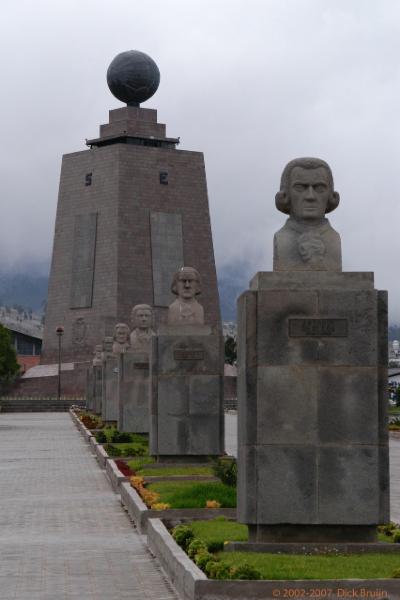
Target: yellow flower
{"points": [[160, 506], [136, 482], [213, 504]]}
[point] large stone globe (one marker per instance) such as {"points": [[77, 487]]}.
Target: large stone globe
{"points": [[133, 77]]}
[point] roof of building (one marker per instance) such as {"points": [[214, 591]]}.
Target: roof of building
{"points": [[21, 322]]}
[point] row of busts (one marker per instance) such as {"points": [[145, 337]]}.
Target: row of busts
{"points": [[185, 310]]}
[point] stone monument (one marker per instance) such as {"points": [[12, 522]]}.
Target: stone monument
{"points": [[133, 383], [131, 211], [121, 338], [312, 374], [187, 417], [109, 407], [97, 365]]}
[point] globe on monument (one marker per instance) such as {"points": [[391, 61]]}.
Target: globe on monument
{"points": [[133, 77]]}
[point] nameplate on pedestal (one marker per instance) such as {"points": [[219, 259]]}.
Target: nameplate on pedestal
{"points": [[188, 354], [318, 328]]}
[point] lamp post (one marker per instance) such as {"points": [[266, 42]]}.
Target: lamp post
{"points": [[59, 332]]}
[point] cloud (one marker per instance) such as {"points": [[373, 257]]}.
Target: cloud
{"points": [[250, 83]]}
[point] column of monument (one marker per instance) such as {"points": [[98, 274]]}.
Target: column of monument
{"points": [[186, 375], [312, 374], [132, 209], [98, 378], [109, 407], [133, 381]]}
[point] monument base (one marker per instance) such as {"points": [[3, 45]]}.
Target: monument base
{"points": [[187, 459], [312, 533]]}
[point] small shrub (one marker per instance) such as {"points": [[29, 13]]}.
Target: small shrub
{"points": [[202, 558], [396, 537], [388, 529], [215, 546], [195, 547], [101, 437], [139, 451], [120, 437], [183, 535], [226, 470], [396, 574], [130, 451], [112, 450], [245, 571], [213, 504], [215, 569]]}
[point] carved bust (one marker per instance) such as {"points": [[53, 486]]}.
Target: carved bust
{"points": [[98, 355], [121, 338], [307, 242], [107, 346], [142, 322], [186, 285]]}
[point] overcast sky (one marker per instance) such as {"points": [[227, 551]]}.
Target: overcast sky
{"points": [[251, 83]]}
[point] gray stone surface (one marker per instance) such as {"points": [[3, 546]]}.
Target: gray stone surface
{"points": [[307, 241], [186, 310], [64, 533], [90, 388], [166, 253], [98, 389], [312, 401], [187, 394], [133, 392], [109, 408], [84, 250]]}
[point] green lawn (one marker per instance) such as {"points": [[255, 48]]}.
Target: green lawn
{"points": [[285, 566], [136, 463], [188, 494], [168, 471], [219, 530]]}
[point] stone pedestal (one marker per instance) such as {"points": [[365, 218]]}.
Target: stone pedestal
{"points": [[312, 375], [98, 389], [89, 389], [133, 392], [187, 418], [109, 408]]}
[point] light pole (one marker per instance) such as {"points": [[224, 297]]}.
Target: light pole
{"points": [[59, 332]]}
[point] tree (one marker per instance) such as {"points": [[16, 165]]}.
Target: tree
{"points": [[9, 366], [230, 350]]}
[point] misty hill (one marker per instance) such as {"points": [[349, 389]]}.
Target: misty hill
{"points": [[27, 291]]}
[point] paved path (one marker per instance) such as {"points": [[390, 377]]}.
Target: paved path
{"points": [[63, 533]]}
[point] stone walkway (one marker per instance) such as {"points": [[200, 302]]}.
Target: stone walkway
{"points": [[63, 533]]}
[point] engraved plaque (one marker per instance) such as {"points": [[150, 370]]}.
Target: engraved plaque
{"points": [[140, 365], [83, 260], [318, 328], [167, 253], [188, 354]]}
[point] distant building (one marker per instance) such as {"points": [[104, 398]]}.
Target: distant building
{"points": [[26, 332]]}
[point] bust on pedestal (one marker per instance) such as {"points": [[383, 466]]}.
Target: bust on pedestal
{"points": [[312, 373], [98, 378], [186, 372], [133, 383]]}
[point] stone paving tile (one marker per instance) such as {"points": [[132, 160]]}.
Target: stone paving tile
{"points": [[64, 535]]}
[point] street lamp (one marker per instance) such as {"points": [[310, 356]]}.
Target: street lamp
{"points": [[59, 332]]}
